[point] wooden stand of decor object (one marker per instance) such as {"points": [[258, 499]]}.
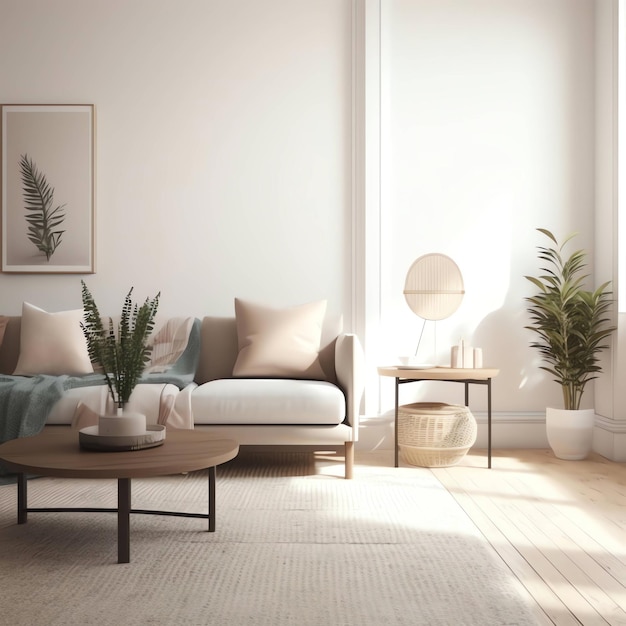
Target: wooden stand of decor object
{"points": [[466, 376]]}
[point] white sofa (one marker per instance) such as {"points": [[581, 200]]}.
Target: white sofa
{"points": [[316, 414], [320, 414]]}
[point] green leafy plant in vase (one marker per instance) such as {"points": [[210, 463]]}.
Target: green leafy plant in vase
{"points": [[122, 351], [572, 324]]}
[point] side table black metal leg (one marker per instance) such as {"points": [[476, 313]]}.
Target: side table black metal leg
{"points": [[212, 499], [22, 499], [123, 520], [395, 427], [489, 423]]}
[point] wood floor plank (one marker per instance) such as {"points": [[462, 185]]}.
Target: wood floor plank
{"points": [[592, 544], [542, 562], [559, 525], [577, 567], [550, 605]]}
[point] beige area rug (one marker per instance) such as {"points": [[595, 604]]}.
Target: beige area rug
{"points": [[295, 544]]}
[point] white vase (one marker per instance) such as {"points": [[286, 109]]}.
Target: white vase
{"points": [[570, 432], [123, 424]]}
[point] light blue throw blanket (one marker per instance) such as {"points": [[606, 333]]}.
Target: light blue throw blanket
{"points": [[25, 403]]}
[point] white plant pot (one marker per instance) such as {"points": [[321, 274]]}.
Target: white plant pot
{"points": [[570, 433]]}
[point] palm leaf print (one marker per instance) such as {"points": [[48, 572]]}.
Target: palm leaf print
{"points": [[43, 220]]}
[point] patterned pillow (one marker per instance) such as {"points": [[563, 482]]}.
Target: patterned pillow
{"points": [[169, 343]]}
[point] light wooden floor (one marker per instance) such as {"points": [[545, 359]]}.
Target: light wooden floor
{"points": [[559, 525]]}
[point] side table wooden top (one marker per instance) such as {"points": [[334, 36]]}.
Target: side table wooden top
{"points": [[57, 453], [439, 373]]}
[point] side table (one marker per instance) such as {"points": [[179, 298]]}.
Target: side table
{"points": [[467, 376]]}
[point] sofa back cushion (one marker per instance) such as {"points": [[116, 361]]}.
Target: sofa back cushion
{"points": [[184, 368], [220, 347], [10, 345], [4, 320]]}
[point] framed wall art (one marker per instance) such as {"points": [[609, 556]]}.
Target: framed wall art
{"points": [[48, 188]]}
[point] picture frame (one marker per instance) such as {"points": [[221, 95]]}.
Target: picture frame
{"points": [[47, 187]]}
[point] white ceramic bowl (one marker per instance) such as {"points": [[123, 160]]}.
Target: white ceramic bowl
{"points": [[408, 360]]}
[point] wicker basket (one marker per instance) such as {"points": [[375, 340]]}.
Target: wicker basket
{"points": [[434, 434]]}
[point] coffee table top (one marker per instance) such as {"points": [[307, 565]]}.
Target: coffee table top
{"points": [[56, 452]]}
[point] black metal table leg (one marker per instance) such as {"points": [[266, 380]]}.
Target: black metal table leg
{"points": [[212, 499], [489, 423], [123, 520], [22, 499], [395, 427]]}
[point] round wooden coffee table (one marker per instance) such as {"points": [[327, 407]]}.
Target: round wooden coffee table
{"points": [[56, 452]]}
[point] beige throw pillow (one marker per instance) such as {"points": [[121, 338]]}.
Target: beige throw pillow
{"points": [[52, 343], [279, 343]]}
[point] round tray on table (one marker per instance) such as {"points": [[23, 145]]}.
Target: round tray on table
{"points": [[89, 439]]}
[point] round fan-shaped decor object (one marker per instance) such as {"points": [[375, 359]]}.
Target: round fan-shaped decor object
{"points": [[433, 288]]}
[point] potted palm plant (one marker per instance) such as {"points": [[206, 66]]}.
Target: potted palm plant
{"points": [[572, 325], [122, 352]]}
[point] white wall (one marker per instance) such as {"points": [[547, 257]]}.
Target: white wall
{"points": [[225, 163], [223, 145], [487, 134], [610, 432]]}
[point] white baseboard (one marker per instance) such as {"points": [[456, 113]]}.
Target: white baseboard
{"points": [[610, 442], [508, 430]]}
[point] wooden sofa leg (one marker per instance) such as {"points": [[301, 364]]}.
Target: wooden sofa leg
{"points": [[349, 456]]}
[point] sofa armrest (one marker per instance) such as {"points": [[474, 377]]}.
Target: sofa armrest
{"points": [[350, 366]]}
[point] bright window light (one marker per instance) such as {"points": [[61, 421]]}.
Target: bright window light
{"points": [[621, 156]]}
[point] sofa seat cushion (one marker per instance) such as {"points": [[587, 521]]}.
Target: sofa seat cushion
{"points": [[146, 399], [268, 401]]}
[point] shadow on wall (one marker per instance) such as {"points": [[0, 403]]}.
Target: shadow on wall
{"points": [[521, 384]]}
